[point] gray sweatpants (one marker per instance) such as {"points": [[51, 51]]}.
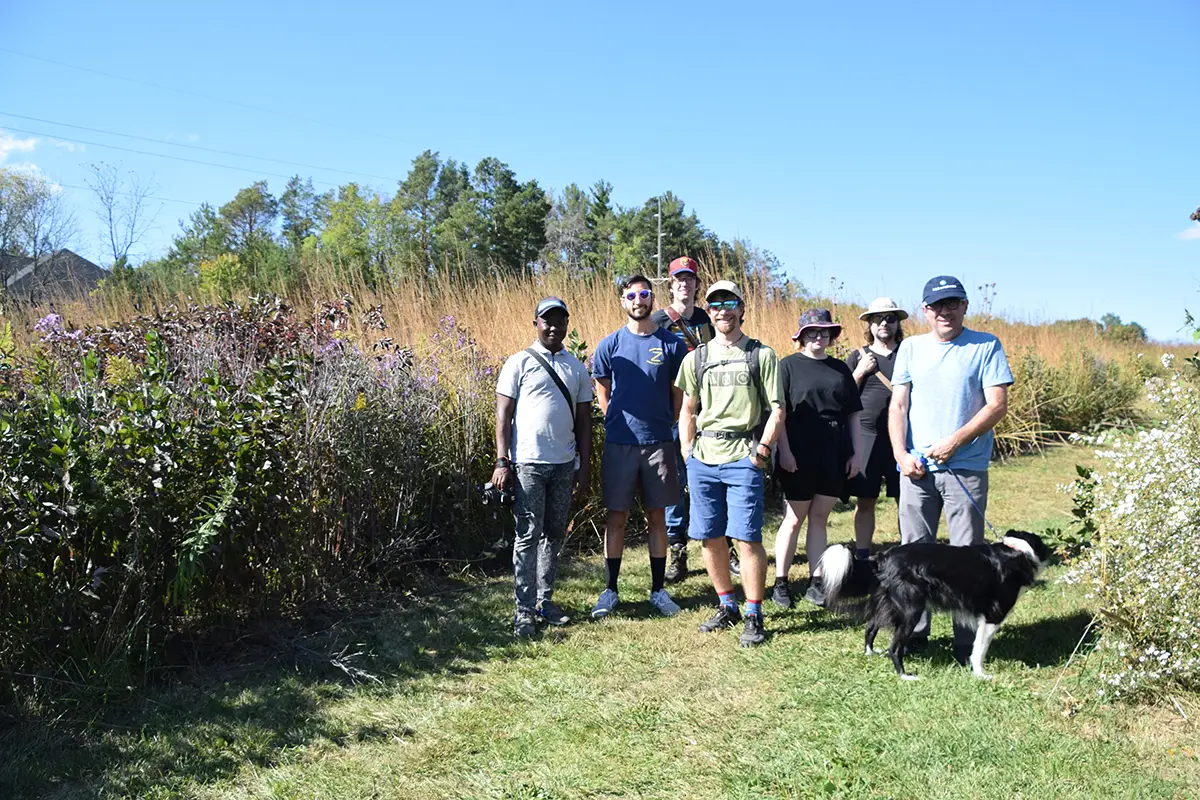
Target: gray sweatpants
{"points": [[921, 504], [542, 505]]}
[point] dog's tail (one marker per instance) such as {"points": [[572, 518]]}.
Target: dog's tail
{"points": [[845, 576]]}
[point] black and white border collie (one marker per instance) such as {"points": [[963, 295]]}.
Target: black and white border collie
{"points": [[979, 585]]}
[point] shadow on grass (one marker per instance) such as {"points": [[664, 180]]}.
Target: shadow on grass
{"points": [[247, 706]]}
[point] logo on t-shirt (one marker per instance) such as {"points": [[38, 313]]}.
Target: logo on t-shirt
{"points": [[656, 356]]}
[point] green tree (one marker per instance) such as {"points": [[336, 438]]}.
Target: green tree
{"points": [[1113, 328], [567, 229], [300, 211], [601, 226], [416, 208], [250, 216]]}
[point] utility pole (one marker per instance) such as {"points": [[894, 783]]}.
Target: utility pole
{"points": [[658, 216]]}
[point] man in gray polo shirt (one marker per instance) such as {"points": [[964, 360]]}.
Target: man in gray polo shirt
{"points": [[544, 440]]}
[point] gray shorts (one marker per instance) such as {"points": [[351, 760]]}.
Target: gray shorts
{"points": [[626, 467]]}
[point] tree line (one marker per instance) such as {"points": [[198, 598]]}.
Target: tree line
{"points": [[480, 222]]}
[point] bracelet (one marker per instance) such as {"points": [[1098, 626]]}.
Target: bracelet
{"points": [[503, 462]]}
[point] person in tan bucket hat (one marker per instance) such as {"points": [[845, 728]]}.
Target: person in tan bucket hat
{"points": [[872, 367]]}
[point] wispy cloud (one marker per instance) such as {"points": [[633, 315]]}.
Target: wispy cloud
{"points": [[193, 137], [11, 144], [1191, 233], [70, 147]]}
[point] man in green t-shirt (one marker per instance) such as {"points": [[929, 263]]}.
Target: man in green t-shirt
{"points": [[727, 448]]}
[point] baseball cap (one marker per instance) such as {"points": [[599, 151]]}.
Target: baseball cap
{"points": [[884, 305], [684, 264], [549, 304], [724, 286], [941, 287]]}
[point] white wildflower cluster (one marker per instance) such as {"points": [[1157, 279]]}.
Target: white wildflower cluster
{"points": [[1143, 570]]}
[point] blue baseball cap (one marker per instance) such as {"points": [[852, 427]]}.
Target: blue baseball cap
{"points": [[942, 287], [549, 304]]}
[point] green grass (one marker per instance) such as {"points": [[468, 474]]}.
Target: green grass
{"points": [[635, 706]]}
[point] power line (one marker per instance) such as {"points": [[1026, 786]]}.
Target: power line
{"points": [[129, 194], [159, 155], [194, 146], [209, 97]]}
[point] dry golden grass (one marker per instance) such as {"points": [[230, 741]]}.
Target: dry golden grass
{"points": [[499, 313]]}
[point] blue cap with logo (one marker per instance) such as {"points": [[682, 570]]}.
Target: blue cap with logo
{"points": [[941, 287], [549, 304]]}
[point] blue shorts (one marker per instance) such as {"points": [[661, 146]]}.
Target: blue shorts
{"points": [[727, 500]]}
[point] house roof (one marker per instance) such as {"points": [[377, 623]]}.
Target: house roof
{"points": [[58, 275]]}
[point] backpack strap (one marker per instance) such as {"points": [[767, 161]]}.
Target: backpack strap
{"points": [[693, 340], [753, 366], [882, 378], [562, 387]]}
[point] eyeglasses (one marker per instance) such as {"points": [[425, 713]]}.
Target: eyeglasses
{"points": [[723, 305], [644, 294], [888, 319], [816, 333], [949, 304]]}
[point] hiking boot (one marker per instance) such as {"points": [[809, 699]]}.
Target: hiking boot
{"points": [[816, 592], [604, 606], [548, 612], [523, 626], [753, 633], [663, 602], [676, 563], [735, 566], [726, 617], [782, 594]]}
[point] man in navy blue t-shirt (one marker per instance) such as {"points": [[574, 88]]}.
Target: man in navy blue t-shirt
{"points": [[635, 369]]}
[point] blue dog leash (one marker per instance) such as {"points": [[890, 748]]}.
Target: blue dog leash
{"points": [[963, 486]]}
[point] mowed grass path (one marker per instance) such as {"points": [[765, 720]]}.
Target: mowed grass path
{"points": [[641, 706]]}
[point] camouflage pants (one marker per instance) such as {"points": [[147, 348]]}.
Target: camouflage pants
{"points": [[543, 504]]}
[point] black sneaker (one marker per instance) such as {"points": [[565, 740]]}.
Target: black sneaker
{"points": [[816, 592], [782, 594], [726, 617], [547, 611], [676, 563], [523, 626], [753, 633], [735, 566]]}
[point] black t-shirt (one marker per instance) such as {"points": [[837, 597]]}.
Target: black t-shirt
{"points": [[821, 395], [699, 322], [875, 396]]}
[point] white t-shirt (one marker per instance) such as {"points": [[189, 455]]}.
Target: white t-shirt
{"points": [[543, 429]]}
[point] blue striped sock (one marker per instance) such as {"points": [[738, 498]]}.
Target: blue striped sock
{"points": [[753, 607], [728, 600]]}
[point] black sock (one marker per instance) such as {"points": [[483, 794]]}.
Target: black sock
{"points": [[658, 572], [612, 568]]}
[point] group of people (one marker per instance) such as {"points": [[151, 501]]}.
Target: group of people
{"points": [[696, 411]]}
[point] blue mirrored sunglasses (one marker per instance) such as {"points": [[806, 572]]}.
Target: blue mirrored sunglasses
{"points": [[727, 305], [644, 294]]}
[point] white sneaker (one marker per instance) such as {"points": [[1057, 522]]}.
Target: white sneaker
{"points": [[663, 602], [604, 606]]}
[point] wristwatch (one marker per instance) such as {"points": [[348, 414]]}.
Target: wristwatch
{"points": [[502, 461]]}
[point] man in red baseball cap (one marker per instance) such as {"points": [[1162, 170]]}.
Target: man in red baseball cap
{"points": [[691, 324]]}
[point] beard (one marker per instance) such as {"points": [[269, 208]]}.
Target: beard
{"points": [[639, 312]]}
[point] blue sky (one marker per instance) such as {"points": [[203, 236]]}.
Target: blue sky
{"points": [[1050, 148]]}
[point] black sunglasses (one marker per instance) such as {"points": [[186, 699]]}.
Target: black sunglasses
{"points": [[880, 319]]}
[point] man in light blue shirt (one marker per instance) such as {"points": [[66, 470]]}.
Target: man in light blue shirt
{"points": [[949, 389]]}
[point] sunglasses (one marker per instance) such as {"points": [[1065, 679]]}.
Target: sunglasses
{"points": [[949, 304], [723, 305], [643, 294], [888, 319]]}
